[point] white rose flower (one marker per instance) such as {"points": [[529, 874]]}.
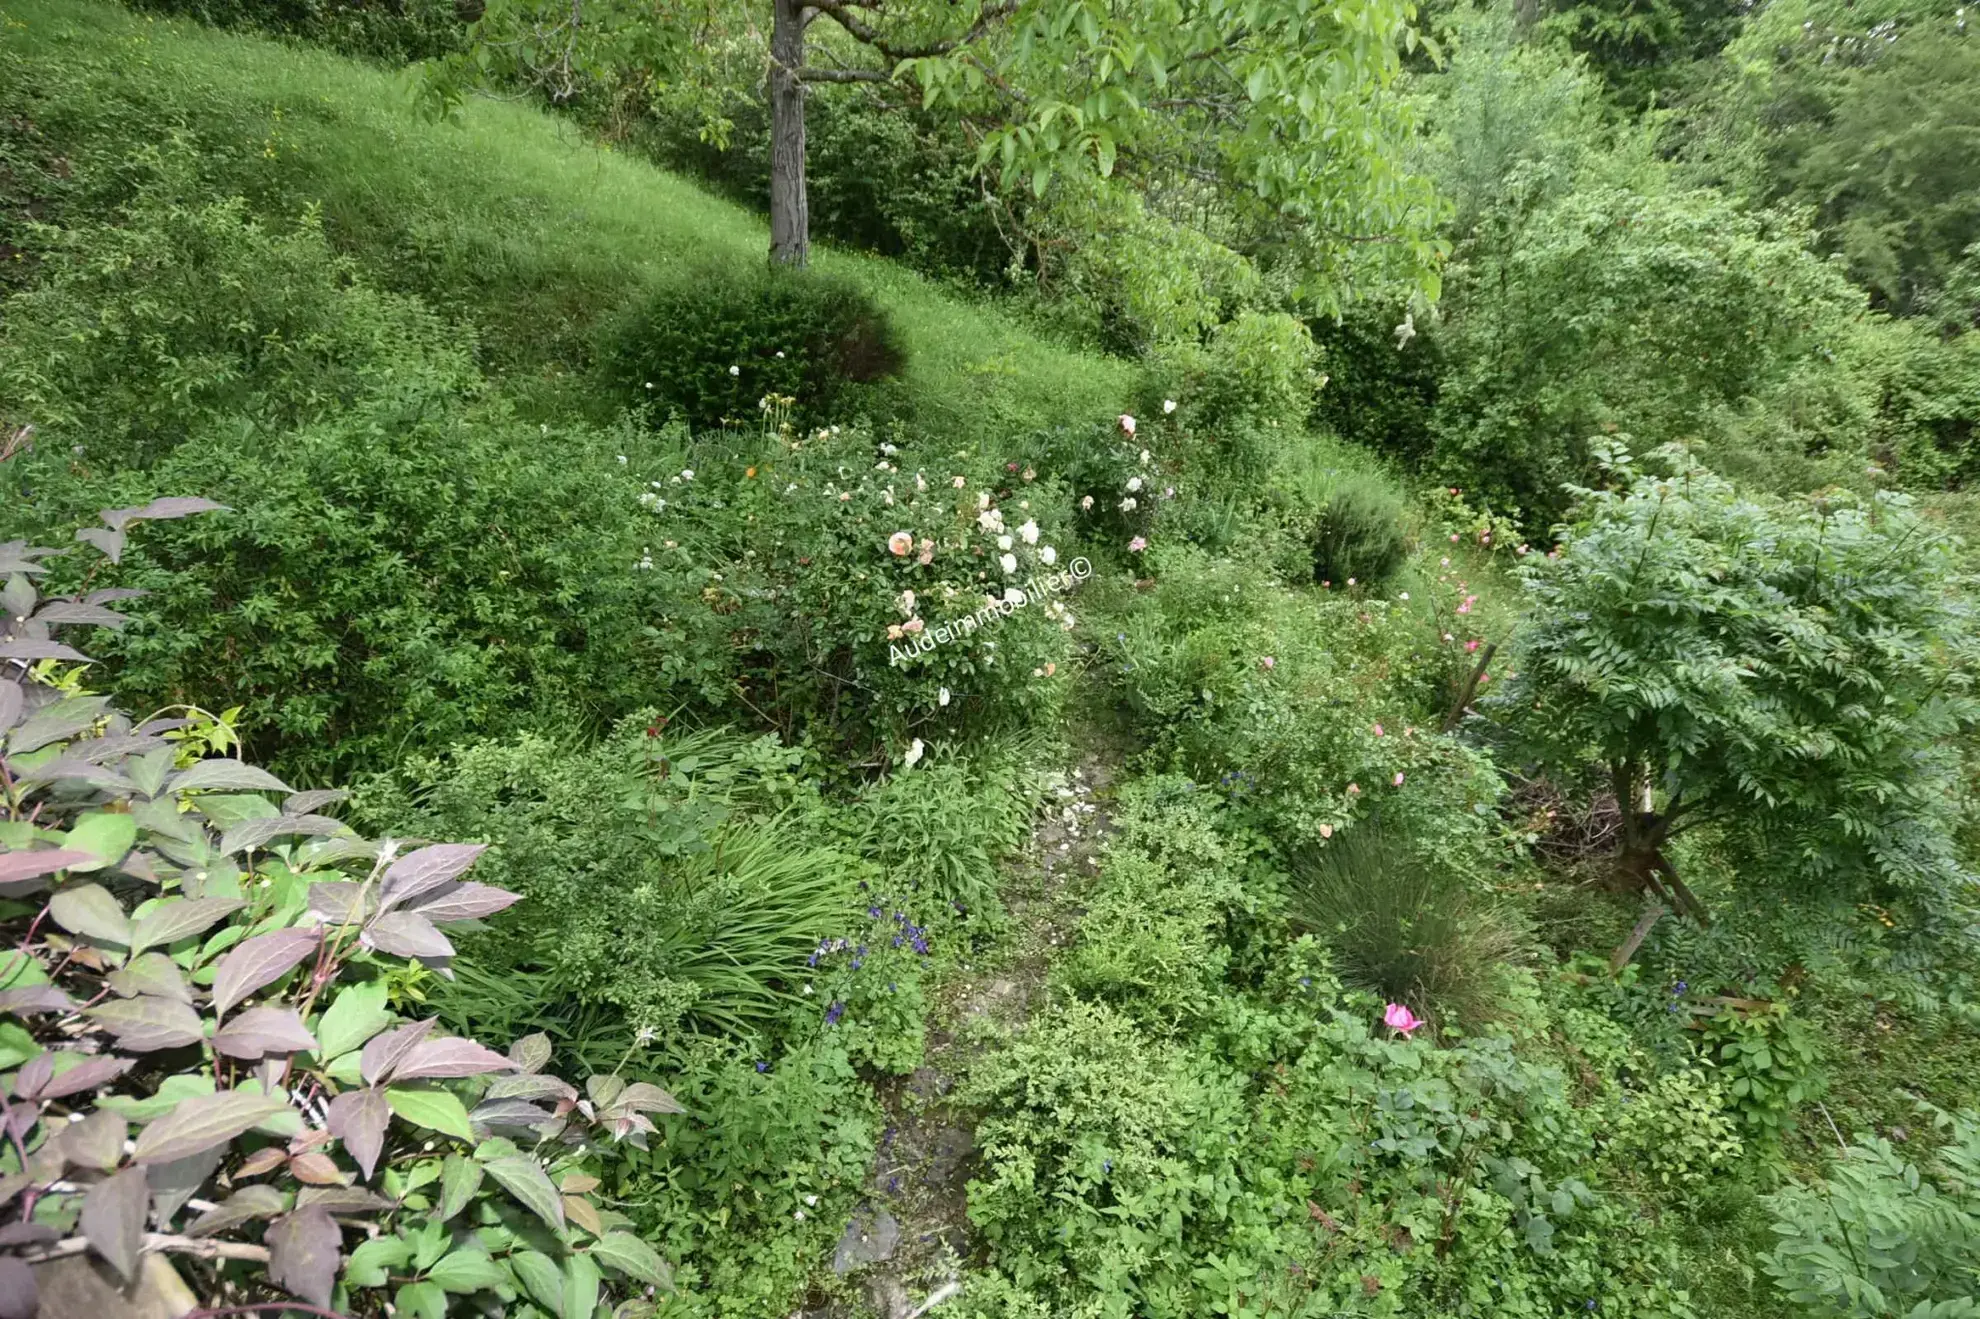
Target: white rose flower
{"points": [[1047, 555], [1009, 562], [1168, 407], [1030, 533], [942, 697], [1134, 485], [1004, 542], [913, 755], [1128, 504]]}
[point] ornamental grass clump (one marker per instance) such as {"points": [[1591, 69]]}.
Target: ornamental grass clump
{"points": [[1402, 927]]}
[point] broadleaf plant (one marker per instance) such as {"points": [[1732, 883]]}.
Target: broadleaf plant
{"points": [[201, 1053]]}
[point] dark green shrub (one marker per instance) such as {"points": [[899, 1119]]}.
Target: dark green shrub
{"points": [[1360, 534], [406, 575], [391, 31], [191, 315], [193, 959], [1402, 926], [716, 341]]}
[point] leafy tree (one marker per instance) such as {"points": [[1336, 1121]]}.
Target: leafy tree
{"points": [[1865, 115], [1283, 103], [1795, 665]]}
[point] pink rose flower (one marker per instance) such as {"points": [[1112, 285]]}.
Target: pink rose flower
{"points": [[1138, 544], [901, 542], [1400, 1019], [1127, 424]]}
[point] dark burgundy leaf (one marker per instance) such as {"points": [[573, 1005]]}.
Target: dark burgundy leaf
{"points": [[259, 832], [260, 961], [449, 1057], [174, 919], [531, 1087], [264, 1030], [30, 999], [316, 1168], [112, 594], [174, 1183], [426, 869], [331, 900], [16, 867], [359, 1119], [19, 1297], [531, 1052], [640, 1097], [12, 701], [465, 902], [66, 611], [147, 1022], [243, 1206], [315, 799], [27, 1234], [405, 934], [222, 775], [153, 726], [95, 1142], [342, 1200], [56, 722], [383, 1052], [508, 1113], [41, 650], [113, 1219], [151, 973], [173, 506], [89, 1074], [203, 1122], [302, 1254], [34, 1074], [109, 540]]}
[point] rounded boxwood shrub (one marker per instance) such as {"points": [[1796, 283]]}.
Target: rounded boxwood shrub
{"points": [[714, 342]]}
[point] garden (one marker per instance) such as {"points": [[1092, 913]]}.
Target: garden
{"points": [[1028, 659]]}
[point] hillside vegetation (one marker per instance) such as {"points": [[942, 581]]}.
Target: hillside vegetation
{"points": [[1319, 664]]}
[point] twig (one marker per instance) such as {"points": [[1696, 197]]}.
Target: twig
{"points": [[1653, 911], [164, 1241]]}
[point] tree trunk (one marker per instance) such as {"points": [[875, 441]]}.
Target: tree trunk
{"points": [[790, 212]]}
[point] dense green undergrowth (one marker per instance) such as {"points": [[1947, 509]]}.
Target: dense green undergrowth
{"points": [[754, 712]]}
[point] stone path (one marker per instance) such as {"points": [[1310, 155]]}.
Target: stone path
{"points": [[907, 1245]]}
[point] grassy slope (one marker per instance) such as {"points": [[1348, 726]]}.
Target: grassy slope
{"points": [[506, 217]]}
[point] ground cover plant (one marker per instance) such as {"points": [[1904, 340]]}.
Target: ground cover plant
{"points": [[1355, 702]]}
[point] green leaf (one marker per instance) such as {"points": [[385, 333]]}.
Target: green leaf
{"points": [[524, 1178], [106, 835], [434, 1109], [89, 910], [634, 1258], [460, 1178], [580, 1287], [540, 1278], [372, 1263], [16, 1045], [420, 1300], [469, 1270]]}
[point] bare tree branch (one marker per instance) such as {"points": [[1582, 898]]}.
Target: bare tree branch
{"points": [[841, 12]]}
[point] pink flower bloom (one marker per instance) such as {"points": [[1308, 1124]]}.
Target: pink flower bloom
{"points": [[1453, 538], [1138, 544], [1268, 663], [1397, 782], [1470, 646], [1354, 790], [1378, 730], [1127, 424], [1400, 1019], [900, 543]]}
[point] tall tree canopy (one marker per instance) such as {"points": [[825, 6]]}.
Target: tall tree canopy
{"points": [[1285, 108]]}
